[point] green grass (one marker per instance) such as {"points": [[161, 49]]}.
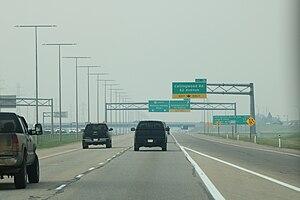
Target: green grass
{"points": [[49, 141], [268, 135]]}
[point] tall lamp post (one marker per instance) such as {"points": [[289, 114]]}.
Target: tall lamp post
{"points": [[116, 99], [105, 110], [121, 99], [76, 58], [88, 75], [98, 99], [59, 78], [36, 63], [110, 97]]}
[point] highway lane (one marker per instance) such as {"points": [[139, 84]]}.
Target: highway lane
{"points": [[69, 172], [147, 174], [59, 166], [234, 183]]}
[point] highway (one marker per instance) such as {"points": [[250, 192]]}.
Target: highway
{"points": [[236, 170]]}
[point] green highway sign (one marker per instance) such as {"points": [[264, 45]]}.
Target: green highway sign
{"points": [[231, 119], [201, 80], [158, 105], [180, 105], [184, 90]]}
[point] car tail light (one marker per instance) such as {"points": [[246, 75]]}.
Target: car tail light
{"points": [[15, 143]]}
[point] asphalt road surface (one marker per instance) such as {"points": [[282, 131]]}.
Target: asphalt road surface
{"points": [[236, 170]]}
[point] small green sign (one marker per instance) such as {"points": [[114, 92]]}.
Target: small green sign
{"points": [[231, 119], [201, 80], [158, 105], [180, 105]]}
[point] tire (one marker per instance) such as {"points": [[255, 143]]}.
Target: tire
{"points": [[136, 147], [33, 171], [164, 147], [108, 144], [85, 146], [20, 178]]}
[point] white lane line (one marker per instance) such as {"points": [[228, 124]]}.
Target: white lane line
{"points": [[92, 168], [79, 176], [247, 170], [61, 187], [60, 153], [236, 145], [101, 163], [210, 186], [108, 160]]}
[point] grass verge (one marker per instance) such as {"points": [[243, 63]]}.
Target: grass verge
{"points": [[288, 140], [53, 140]]}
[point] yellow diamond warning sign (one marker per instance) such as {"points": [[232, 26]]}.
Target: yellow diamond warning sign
{"points": [[251, 121]]}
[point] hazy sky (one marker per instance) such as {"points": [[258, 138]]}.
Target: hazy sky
{"points": [[146, 45]]}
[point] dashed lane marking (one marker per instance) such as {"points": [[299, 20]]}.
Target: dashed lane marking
{"points": [[61, 187]]}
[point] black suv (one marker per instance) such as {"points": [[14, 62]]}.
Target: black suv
{"points": [[96, 134], [150, 134]]}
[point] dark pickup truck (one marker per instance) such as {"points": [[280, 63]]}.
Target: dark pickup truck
{"points": [[150, 134], [96, 134], [18, 156]]}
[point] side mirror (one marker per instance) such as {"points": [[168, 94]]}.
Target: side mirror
{"points": [[38, 129], [167, 128], [110, 129], [132, 129]]}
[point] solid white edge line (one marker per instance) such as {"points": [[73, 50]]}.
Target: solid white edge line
{"points": [[61, 187], [210, 186], [60, 153], [247, 170]]}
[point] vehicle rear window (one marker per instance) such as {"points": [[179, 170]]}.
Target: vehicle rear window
{"points": [[96, 127], [150, 125], [9, 123]]}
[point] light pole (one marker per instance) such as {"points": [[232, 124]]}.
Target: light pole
{"points": [[110, 98], [120, 111], [36, 63], [105, 110], [59, 78], [76, 58], [125, 97], [98, 78], [116, 98], [88, 75]]}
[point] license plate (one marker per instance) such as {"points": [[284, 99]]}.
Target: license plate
{"points": [[95, 140], [150, 140]]}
